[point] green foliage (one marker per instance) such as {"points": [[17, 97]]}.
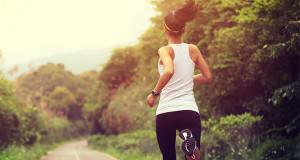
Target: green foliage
{"points": [[135, 145], [279, 149], [89, 78], [234, 35], [61, 99], [98, 100], [9, 114], [141, 144], [26, 124], [119, 70], [18, 124], [47, 77], [59, 129], [56, 90], [289, 92], [238, 132], [26, 127], [75, 110], [127, 111], [33, 152]]}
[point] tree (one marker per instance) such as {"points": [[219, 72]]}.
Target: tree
{"points": [[75, 111], [61, 99], [119, 70], [47, 77]]}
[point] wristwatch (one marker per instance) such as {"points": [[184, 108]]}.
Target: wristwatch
{"points": [[154, 93]]}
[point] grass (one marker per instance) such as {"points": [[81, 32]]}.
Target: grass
{"points": [[33, 152], [138, 145], [133, 154]]}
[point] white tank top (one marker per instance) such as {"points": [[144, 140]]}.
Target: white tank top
{"points": [[178, 93]]}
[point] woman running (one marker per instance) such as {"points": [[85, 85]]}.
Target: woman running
{"points": [[177, 108]]}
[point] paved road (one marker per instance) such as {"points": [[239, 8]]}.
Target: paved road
{"points": [[76, 151]]}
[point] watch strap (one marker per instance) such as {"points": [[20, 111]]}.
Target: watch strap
{"points": [[154, 93]]}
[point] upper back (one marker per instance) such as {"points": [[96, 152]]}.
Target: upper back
{"points": [[192, 50], [183, 63]]}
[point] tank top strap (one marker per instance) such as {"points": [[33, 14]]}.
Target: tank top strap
{"points": [[181, 52]]}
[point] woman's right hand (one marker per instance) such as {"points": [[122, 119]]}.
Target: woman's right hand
{"points": [[151, 100]]}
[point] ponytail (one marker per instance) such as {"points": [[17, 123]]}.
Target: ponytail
{"points": [[175, 21]]}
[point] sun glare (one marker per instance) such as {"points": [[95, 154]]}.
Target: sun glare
{"points": [[36, 28]]}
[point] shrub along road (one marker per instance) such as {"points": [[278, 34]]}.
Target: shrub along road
{"points": [[76, 151]]}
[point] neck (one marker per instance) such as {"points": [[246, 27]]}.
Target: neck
{"points": [[174, 40]]}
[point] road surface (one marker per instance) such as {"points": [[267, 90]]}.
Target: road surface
{"points": [[76, 151]]}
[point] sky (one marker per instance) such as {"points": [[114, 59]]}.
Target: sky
{"points": [[32, 29]]}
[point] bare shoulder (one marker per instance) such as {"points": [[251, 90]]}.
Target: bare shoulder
{"points": [[194, 53], [165, 49], [193, 49]]}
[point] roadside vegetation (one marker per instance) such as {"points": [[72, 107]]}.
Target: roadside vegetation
{"points": [[250, 111], [37, 114]]}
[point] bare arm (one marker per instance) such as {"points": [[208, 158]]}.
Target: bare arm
{"points": [[205, 77], [169, 69], [166, 75]]}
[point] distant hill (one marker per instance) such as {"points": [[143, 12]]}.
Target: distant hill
{"points": [[76, 62]]}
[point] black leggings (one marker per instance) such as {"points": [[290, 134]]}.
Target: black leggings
{"points": [[168, 123]]}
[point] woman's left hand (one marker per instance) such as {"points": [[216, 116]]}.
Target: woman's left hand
{"points": [[151, 100]]}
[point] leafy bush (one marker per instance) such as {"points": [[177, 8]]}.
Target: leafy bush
{"points": [[127, 111], [18, 124], [144, 140], [25, 124], [135, 145], [279, 149], [238, 132], [59, 129], [9, 114]]}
